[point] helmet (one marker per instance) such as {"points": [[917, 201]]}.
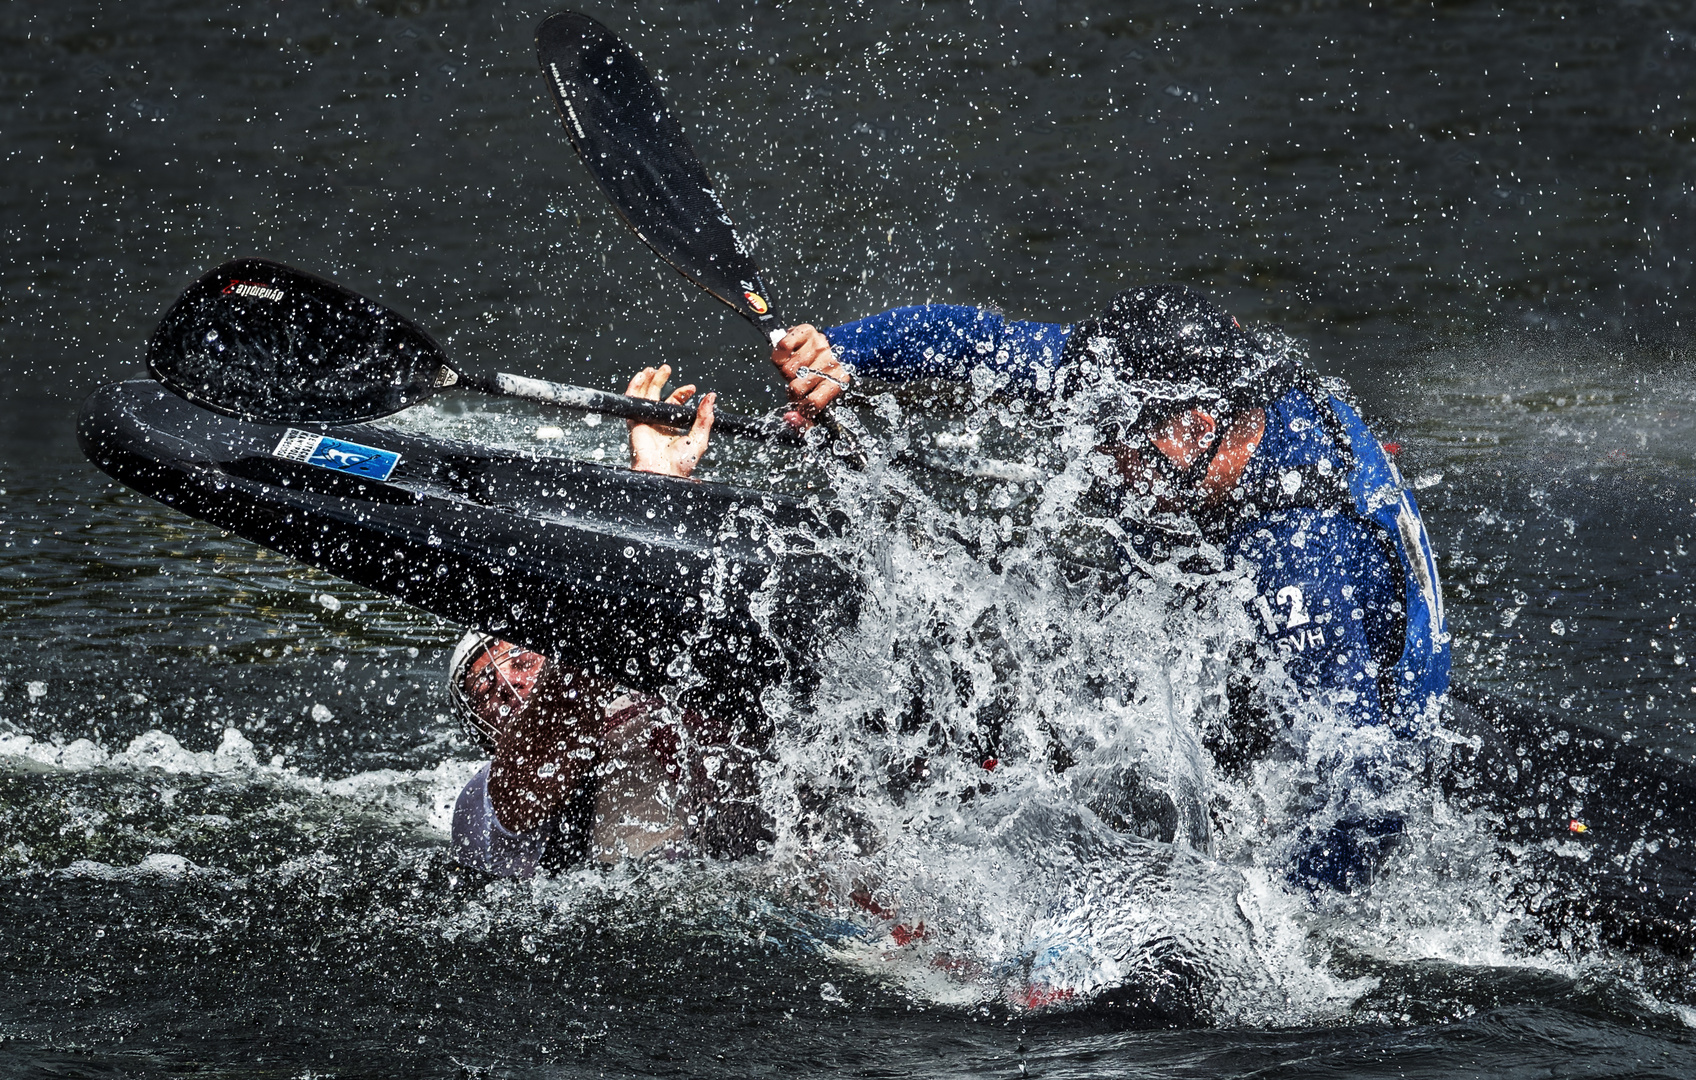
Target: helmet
{"points": [[1160, 349], [482, 671]]}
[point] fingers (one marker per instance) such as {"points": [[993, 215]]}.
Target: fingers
{"points": [[813, 391], [795, 338], [802, 347], [815, 400], [693, 446], [660, 449], [816, 376], [648, 382], [704, 417]]}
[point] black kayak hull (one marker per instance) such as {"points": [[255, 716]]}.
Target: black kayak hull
{"points": [[1599, 833], [643, 578]]}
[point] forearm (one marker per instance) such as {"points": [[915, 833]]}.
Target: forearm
{"points": [[545, 757], [949, 341]]}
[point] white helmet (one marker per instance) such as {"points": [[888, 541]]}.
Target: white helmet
{"points": [[473, 645]]}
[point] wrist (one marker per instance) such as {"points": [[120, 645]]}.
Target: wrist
{"points": [[659, 468]]}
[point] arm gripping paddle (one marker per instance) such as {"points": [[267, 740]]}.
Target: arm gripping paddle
{"points": [[267, 343]]}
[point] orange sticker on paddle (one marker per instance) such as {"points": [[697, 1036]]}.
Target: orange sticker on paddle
{"points": [[757, 302]]}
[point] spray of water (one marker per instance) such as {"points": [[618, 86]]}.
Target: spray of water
{"points": [[1000, 787], [1001, 780]]}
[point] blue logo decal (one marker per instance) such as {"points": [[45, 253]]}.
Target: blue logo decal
{"points": [[328, 453]]}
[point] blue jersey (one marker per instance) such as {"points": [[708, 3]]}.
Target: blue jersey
{"points": [[1346, 583]]}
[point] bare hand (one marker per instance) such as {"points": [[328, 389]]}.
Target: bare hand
{"points": [[664, 450], [814, 373]]}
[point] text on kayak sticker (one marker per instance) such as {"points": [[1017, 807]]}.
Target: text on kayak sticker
{"points": [[253, 288], [327, 453]]}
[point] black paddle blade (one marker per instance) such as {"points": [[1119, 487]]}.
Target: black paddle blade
{"points": [[618, 123], [267, 343]]}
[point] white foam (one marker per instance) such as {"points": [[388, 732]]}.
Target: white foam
{"points": [[160, 750], [425, 796], [156, 865], [23, 749], [1024, 880]]}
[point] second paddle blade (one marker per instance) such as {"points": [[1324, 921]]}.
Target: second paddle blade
{"points": [[619, 125], [267, 343]]}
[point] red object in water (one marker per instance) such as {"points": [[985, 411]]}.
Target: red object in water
{"points": [[990, 764], [1036, 996], [904, 936], [864, 900], [1392, 448]]}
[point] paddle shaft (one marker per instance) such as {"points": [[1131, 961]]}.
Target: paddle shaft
{"points": [[768, 428], [585, 399]]}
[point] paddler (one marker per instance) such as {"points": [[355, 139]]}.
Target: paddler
{"points": [[1213, 436], [581, 770]]}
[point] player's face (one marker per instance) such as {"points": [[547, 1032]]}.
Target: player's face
{"points": [[1153, 464], [500, 680]]}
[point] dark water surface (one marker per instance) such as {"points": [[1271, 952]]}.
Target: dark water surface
{"points": [[1482, 215]]}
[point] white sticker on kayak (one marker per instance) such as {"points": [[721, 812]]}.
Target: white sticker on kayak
{"points": [[338, 454]]}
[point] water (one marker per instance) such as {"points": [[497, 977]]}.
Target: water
{"points": [[1481, 215]]}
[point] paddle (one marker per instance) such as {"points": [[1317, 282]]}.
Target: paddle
{"points": [[617, 121], [264, 342]]}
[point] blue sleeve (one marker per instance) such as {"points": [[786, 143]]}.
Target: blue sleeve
{"points": [[1326, 600], [946, 341], [481, 842]]}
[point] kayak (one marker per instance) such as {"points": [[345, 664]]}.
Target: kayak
{"points": [[649, 578], [1598, 832], [639, 576]]}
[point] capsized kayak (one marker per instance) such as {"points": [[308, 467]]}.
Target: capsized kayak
{"points": [[639, 576]]}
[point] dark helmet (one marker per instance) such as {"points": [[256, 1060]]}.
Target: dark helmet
{"points": [[1158, 349]]}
